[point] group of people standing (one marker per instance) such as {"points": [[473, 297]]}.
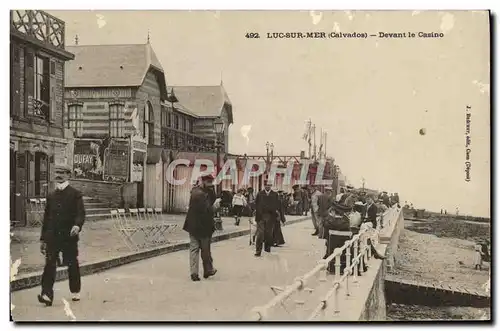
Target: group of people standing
{"points": [[336, 218], [268, 208], [65, 215]]}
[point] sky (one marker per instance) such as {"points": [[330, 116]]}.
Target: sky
{"points": [[371, 95]]}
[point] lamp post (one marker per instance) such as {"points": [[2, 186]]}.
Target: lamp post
{"points": [[219, 130], [172, 98], [269, 156]]}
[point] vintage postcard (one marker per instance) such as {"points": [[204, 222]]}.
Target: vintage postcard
{"points": [[250, 165]]}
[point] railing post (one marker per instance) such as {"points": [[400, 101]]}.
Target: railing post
{"points": [[29, 13], [337, 266], [368, 248], [336, 299], [356, 266], [323, 272], [347, 268], [48, 26]]}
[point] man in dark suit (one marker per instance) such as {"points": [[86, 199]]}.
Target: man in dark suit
{"points": [[200, 225], [325, 201], [267, 211], [371, 212], [62, 222]]}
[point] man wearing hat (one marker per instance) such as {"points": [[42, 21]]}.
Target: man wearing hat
{"points": [[200, 225], [314, 209], [62, 222], [267, 214], [325, 201], [298, 199], [371, 212]]}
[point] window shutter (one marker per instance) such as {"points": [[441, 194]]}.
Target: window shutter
{"points": [[16, 81], [29, 81], [52, 87], [21, 176]]}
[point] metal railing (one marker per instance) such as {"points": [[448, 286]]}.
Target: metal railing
{"points": [[357, 255]]}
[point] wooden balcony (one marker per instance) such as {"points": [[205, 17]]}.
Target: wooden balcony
{"points": [[39, 28], [183, 141]]}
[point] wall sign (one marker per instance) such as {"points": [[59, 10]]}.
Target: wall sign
{"points": [[117, 160]]}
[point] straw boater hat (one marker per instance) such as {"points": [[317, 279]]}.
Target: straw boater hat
{"points": [[328, 188]]}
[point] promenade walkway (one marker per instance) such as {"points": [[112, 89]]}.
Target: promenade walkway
{"points": [[159, 289]]}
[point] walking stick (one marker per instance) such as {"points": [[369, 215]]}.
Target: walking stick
{"points": [[250, 231]]}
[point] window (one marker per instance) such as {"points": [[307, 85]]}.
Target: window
{"points": [[176, 121], [41, 87], [164, 115], [41, 174], [75, 119], [151, 124], [182, 123], [116, 120], [188, 125]]}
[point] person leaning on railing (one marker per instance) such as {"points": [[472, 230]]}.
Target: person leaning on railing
{"points": [[371, 212], [336, 232]]}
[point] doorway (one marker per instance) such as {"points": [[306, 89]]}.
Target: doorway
{"points": [[41, 167]]}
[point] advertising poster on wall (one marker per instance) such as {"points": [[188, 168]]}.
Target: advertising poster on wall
{"points": [[116, 166], [88, 158]]}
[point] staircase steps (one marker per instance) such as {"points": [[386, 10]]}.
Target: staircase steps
{"points": [[96, 209]]}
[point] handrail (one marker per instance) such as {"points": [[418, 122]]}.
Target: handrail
{"points": [[301, 281], [361, 249]]}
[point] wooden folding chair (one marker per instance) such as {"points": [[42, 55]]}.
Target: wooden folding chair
{"points": [[142, 213], [147, 229], [158, 213], [151, 213], [134, 213], [36, 213], [125, 230]]}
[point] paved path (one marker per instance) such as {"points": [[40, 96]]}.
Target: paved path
{"points": [[99, 240], [160, 288]]}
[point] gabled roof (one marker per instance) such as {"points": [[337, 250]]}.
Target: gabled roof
{"points": [[204, 101], [112, 66]]}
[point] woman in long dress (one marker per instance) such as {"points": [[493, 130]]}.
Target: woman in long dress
{"points": [[278, 238]]}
